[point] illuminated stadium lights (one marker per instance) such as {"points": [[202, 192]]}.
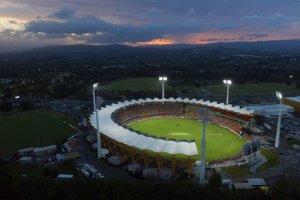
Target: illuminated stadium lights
{"points": [[163, 79], [279, 97], [227, 83], [95, 85]]}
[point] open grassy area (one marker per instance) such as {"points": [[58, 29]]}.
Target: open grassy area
{"points": [[135, 84], [17, 169], [220, 142], [25, 129], [237, 172], [214, 87], [273, 159]]}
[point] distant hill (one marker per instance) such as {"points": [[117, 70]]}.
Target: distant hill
{"points": [[155, 51], [121, 51], [81, 51], [279, 46]]}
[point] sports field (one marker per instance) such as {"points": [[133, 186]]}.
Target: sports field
{"points": [[213, 87], [220, 142], [26, 129]]}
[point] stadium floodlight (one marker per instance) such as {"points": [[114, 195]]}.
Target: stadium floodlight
{"points": [[279, 96], [277, 141], [95, 85], [203, 148], [163, 79], [227, 83]]}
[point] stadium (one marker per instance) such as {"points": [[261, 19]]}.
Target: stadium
{"points": [[167, 133]]}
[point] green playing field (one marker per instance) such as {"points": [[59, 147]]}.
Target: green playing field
{"points": [[27, 129], [220, 142]]}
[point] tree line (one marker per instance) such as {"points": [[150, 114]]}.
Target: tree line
{"points": [[12, 187]]}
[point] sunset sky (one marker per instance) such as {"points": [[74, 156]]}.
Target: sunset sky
{"points": [[26, 24]]}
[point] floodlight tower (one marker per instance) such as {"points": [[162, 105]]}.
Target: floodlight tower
{"points": [[163, 79], [203, 148], [95, 85], [227, 83], [279, 97]]}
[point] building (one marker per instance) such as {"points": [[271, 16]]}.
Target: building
{"points": [[271, 110], [67, 156], [38, 151], [26, 160], [251, 183], [293, 102], [64, 176]]}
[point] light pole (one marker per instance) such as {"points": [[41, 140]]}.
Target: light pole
{"points": [[203, 148], [163, 79], [227, 83], [279, 97], [95, 85]]}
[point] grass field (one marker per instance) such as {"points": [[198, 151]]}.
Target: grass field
{"points": [[135, 84], [213, 87], [237, 172], [25, 129], [272, 157], [220, 142]]}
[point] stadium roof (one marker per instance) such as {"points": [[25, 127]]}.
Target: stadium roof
{"points": [[131, 138], [271, 109], [296, 99]]}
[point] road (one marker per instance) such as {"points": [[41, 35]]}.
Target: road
{"points": [[89, 156]]}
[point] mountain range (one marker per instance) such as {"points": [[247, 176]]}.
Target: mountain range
{"points": [[115, 50]]}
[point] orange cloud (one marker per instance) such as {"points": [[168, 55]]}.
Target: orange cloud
{"points": [[156, 42]]}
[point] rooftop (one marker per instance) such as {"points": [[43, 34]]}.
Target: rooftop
{"points": [[297, 98]]}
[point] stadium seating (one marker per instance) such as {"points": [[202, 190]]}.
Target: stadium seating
{"points": [[138, 112], [235, 121]]}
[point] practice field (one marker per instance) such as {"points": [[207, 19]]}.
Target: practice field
{"points": [[220, 142], [213, 87], [26, 129]]}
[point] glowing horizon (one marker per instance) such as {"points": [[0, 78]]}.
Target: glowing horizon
{"points": [[27, 23]]}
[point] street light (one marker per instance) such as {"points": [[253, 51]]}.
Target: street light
{"points": [[95, 85], [227, 83], [279, 97], [163, 79]]}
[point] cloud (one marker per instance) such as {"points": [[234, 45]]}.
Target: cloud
{"points": [[131, 21], [276, 20], [110, 32], [257, 35], [64, 13], [191, 11]]}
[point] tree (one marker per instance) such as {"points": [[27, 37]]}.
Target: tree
{"points": [[4, 172], [215, 181], [5, 106], [26, 105]]}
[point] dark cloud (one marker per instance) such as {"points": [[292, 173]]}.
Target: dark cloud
{"points": [[101, 31], [115, 21], [257, 35], [64, 13]]}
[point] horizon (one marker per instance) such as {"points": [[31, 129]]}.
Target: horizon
{"points": [[26, 24], [151, 45]]}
